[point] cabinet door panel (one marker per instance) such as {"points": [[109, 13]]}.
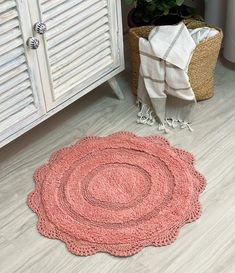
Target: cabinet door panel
{"points": [[82, 44], [20, 103]]}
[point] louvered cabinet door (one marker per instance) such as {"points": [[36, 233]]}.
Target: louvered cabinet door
{"points": [[82, 46], [20, 103]]}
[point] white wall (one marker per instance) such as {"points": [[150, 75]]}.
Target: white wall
{"points": [[199, 4], [222, 14]]}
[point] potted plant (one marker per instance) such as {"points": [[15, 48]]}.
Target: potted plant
{"points": [[157, 12]]}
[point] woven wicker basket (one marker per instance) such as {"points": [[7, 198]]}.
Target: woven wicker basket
{"points": [[202, 65]]}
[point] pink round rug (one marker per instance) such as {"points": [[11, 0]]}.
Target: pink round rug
{"points": [[116, 194]]}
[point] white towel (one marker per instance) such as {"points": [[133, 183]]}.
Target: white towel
{"points": [[173, 44], [164, 91], [200, 34]]}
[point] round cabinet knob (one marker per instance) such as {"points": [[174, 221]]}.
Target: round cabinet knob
{"points": [[33, 43], [40, 27]]}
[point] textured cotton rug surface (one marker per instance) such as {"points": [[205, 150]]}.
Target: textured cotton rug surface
{"points": [[116, 194]]}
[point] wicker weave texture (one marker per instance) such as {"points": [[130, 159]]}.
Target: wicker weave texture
{"points": [[202, 65]]}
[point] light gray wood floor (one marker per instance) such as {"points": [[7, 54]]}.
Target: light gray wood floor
{"points": [[207, 245]]}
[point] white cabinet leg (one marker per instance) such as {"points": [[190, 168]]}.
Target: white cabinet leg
{"points": [[116, 88]]}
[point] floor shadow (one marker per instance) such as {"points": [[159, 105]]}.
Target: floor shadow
{"points": [[227, 63]]}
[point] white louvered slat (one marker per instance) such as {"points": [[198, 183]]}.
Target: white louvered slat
{"points": [[89, 63], [14, 108], [13, 101], [8, 36], [81, 55], [60, 9], [5, 28], [6, 5], [6, 86], [19, 103], [71, 12], [44, 1], [12, 64], [7, 16], [18, 114], [98, 68], [11, 55], [97, 10], [8, 46], [101, 26], [76, 29], [15, 90], [80, 36], [48, 5], [76, 51], [13, 73]]}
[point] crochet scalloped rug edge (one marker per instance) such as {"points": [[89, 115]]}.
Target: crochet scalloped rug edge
{"points": [[84, 248]]}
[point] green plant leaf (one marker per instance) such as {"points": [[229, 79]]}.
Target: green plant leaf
{"points": [[147, 10], [179, 2]]}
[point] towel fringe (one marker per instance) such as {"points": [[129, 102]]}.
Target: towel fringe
{"points": [[185, 124], [173, 123], [147, 116], [162, 127]]}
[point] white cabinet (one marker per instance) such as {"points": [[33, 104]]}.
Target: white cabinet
{"points": [[81, 48], [20, 85]]}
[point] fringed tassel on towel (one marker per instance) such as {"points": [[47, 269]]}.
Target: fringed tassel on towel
{"points": [[162, 127], [174, 123], [146, 116], [185, 124]]}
